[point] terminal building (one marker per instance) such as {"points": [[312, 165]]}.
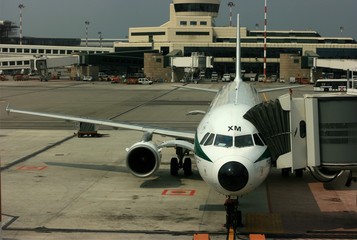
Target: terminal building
{"points": [[191, 31], [191, 28]]}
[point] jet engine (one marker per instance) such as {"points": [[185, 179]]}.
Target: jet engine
{"points": [[323, 174], [143, 159]]}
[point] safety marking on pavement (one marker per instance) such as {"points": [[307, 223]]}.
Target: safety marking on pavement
{"points": [[28, 168], [178, 192]]}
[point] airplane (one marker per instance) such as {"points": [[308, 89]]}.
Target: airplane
{"points": [[230, 153]]}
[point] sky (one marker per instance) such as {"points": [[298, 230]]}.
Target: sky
{"points": [[66, 18]]}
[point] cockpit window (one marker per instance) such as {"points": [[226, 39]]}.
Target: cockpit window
{"points": [[204, 138], [243, 141], [261, 137], [258, 141], [209, 140], [223, 141]]}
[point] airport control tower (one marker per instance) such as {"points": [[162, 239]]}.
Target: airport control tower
{"points": [[196, 7]]}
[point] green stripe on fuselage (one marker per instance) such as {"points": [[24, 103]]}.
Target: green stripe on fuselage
{"points": [[199, 152], [266, 154]]}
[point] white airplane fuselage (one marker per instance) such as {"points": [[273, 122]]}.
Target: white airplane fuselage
{"points": [[230, 154]]}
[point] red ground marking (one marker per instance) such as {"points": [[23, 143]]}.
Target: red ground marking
{"points": [[178, 192], [36, 168]]}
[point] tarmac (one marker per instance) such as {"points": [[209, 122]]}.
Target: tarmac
{"points": [[57, 186]]}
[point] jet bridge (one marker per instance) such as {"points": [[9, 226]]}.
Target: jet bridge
{"points": [[42, 64], [318, 132]]}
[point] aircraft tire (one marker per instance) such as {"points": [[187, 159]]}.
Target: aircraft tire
{"points": [[187, 166], [174, 166]]}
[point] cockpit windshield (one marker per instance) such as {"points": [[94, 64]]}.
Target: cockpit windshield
{"points": [[223, 141], [227, 141], [243, 141]]}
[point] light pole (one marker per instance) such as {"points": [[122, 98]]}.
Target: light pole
{"points": [[100, 38], [21, 6], [230, 5], [341, 29], [87, 23], [265, 41]]}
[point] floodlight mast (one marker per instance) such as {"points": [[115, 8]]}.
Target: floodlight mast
{"points": [[230, 5], [86, 23], [265, 41], [21, 6]]}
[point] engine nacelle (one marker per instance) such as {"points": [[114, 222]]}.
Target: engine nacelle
{"points": [[143, 159]]}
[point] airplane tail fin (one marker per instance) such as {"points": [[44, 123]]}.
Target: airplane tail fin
{"points": [[238, 49]]}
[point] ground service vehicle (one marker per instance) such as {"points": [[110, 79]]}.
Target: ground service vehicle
{"points": [[226, 77], [144, 81], [328, 85], [214, 77]]}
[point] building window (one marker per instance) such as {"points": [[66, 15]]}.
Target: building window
{"points": [[193, 23], [203, 23], [193, 33], [147, 33], [196, 7], [183, 23], [33, 50]]}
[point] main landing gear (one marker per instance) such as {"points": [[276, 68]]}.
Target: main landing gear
{"points": [[181, 161], [233, 217]]}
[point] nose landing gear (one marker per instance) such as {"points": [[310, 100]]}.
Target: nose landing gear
{"points": [[233, 217]]}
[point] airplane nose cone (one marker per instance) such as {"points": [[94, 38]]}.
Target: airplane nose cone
{"points": [[233, 176]]}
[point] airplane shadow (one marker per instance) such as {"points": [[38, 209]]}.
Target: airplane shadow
{"points": [[161, 179]]}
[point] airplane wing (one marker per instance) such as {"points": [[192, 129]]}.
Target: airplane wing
{"points": [[217, 90], [278, 88], [197, 88], [129, 126]]}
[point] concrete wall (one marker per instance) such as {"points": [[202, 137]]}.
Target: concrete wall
{"points": [[290, 66], [154, 67]]}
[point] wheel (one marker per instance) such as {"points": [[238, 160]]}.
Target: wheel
{"points": [[187, 166], [299, 173], [174, 166], [285, 172]]}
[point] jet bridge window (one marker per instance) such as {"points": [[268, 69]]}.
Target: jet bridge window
{"points": [[243, 141], [223, 141]]}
